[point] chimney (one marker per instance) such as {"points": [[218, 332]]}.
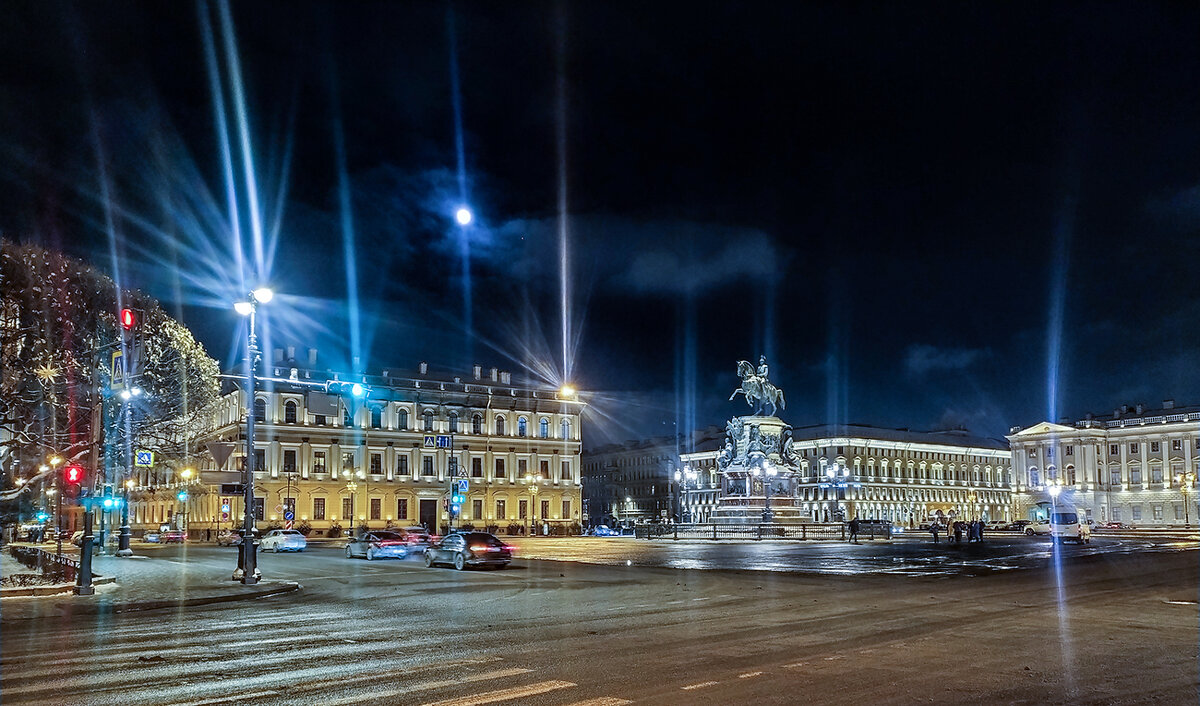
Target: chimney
{"points": [[1124, 409], [312, 357], [278, 355], [477, 370], [494, 378], [291, 353], [505, 377], [423, 367], [1141, 408], [1168, 404]]}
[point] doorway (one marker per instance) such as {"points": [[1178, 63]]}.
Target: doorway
{"points": [[428, 514]]}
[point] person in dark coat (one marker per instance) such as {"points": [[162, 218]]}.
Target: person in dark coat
{"points": [[934, 529], [854, 525], [958, 530]]}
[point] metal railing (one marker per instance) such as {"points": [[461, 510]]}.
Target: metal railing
{"points": [[815, 531], [52, 568]]}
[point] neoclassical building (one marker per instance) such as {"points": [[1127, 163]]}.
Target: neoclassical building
{"points": [[888, 474], [389, 453], [1131, 466]]}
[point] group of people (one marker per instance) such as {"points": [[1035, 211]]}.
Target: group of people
{"points": [[973, 530]]}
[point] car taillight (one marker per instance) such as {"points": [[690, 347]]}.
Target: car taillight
{"points": [[390, 543], [511, 549]]}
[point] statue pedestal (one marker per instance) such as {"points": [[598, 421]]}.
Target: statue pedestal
{"points": [[757, 468]]}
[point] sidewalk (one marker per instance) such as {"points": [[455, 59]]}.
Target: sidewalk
{"points": [[144, 583]]}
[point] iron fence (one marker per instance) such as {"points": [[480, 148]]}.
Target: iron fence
{"points": [[51, 568], [817, 531]]}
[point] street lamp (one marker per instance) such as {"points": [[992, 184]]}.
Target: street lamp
{"points": [[1185, 484], [1054, 490], [532, 480], [464, 216], [831, 473], [351, 487], [247, 570]]}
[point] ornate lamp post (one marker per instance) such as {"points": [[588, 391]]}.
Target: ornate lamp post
{"points": [[1185, 484], [767, 471], [247, 570], [532, 480], [352, 488]]}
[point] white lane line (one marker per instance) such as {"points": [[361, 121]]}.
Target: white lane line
{"points": [[748, 675], [228, 699], [700, 685], [602, 701], [794, 665], [518, 692], [376, 696], [701, 599]]}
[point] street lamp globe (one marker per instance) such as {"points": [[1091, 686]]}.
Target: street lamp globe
{"points": [[1054, 490], [263, 295], [464, 216], [243, 308]]}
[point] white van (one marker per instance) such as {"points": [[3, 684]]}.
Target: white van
{"points": [[1065, 525]]}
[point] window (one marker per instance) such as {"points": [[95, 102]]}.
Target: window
{"points": [[404, 419], [544, 428], [522, 468], [427, 465], [1113, 450], [453, 423], [376, 464], [477, 509], [1049, 452], [260, 409], [566, 470], [347, 462], [523, 510], [428, 423], [499, 469], [1177, 445], [318, 461], [1032, 453], [260, 459], [1158, 512], [402, 509], [499, 426], [500, 510], [1154, 447], [566, 429], [402, 465], [319, 420], [289, 461], [476, 467], [522, 426], [545, 509], [1115, 476], [376, 508], [566, 509], [1179, 512], [289, 412], [1033, 477], [318, 508], [347, 417], [544, 469], [1116, 513], [1136, 511], [376, 417], [1133, 448], [1135, 476], [347, 510], [476, 424], [1069, 450]]}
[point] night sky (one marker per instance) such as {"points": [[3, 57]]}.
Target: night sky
{"points": [[927, 215]]}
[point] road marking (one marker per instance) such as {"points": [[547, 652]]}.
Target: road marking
{"points": [[793, 665], [701, 599], [747, 675], [429, 685], [602, 701], [227, 699], [518, 692], [701, 685]]}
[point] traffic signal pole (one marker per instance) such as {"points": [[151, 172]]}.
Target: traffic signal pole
{"points": [[83, 579], [249, 568]]}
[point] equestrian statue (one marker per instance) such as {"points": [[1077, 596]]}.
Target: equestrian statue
{"points": [[757, 388]]}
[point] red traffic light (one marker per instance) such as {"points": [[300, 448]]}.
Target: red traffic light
{"points": [[128, 319], [73, 474]]}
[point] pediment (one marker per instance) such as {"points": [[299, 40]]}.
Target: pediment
{"points": [[1046, 428]]}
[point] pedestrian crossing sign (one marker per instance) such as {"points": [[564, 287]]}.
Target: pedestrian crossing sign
{"points": [[143, 459]]}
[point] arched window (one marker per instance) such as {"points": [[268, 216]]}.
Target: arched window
{"points": [[260, 409], [404, 419], [566, 428], [453, 423], [544, 428], [428, 417], [289, 412], [522, 426], [376, 417], [477, 424], [499, 426]]}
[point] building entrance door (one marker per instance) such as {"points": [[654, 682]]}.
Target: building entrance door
{"points": [[428, 516]]}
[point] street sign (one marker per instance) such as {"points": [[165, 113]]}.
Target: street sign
{"points": [[224, 516], [225, 507], [236, 489], [463, 485], [220, 452], [429, 441], [440, 441], [117, 371], [289, 515], [287, 525], [143, 458], [278, 508]]}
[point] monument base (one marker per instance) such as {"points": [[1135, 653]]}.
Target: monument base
{"points": [[748, 514]]}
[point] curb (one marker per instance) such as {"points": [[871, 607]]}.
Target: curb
{"points": [[54, 590], [288, 587]]}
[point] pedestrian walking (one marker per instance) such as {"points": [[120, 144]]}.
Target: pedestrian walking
{"points": [[934, 529], [958, 532], [854, 524], [979, 533]]}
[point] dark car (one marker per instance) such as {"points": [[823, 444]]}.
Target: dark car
{"points": [[463, 549], [380, 544], [1113, 526]]}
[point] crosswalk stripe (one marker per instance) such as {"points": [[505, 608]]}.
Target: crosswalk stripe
{"points": [[602, 701], [517, 692], [430, 685], [700, 685]]}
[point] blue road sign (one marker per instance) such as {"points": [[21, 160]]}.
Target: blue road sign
{"points": [[429, 442], [289, 515], [443, 441], [143, 459], [463, 484], [225, 507]]}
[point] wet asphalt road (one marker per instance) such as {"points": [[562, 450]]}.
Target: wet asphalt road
{"points": [[633, 621]]}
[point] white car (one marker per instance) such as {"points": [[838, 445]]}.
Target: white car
{"points": [[1038, 526], [1065, 525], [283, 540]]}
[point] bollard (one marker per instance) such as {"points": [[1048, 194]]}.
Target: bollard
{"points": [[83, 579]]}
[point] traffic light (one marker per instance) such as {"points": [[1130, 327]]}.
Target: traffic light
{"points": [[181, 496], [74, 474], [129, 319]]}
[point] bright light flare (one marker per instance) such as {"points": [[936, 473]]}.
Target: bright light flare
{"points": [[263, 294], [243, 308], [566, 391], [464, 216]]}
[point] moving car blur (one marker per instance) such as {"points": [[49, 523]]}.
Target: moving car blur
{"points": [[463, 549]]}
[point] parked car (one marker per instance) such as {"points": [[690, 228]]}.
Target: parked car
{"points": [[415, 536], [1037, 527], [1065, 525], [229, 538], [380, 544], [153, 537], [172, 537], [604, 531], [463, 549], [283, 540], [1018, 525], [996, 525], [1113, 526]]}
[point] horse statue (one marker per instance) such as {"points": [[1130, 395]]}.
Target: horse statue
{"points": [[758, 389]]}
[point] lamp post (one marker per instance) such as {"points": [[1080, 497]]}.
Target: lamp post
{"points": [[1054, 490], [351, 488], [677, 514], [769, 472], [831, 473], [532, 480], [247, 570], [1185, 484]]}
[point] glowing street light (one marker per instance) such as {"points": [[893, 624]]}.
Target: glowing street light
{"points": [[247, 571], [1185, 481], [464, 216]]}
